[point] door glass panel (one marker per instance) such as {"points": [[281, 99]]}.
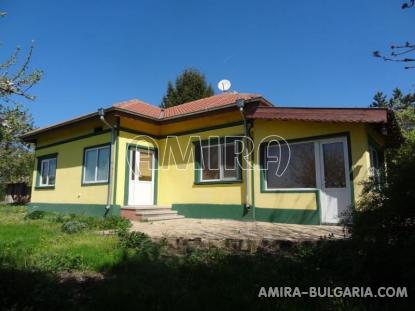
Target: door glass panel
{"points": [[334, 172], [146, 165], [133, 168]]}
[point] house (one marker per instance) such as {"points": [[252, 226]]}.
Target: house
{"points": [[231, 156]]}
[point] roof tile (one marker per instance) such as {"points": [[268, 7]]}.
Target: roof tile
{"points": [[208, 103]]}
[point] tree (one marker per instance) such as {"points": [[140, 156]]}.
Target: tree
{"points": [[190, 85], [402, 104], [16, 157], [401, 52]]}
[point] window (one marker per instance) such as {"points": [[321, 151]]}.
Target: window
{"points": [[376, 164], [290, 167], [96, 165], [47, 172], [218, 162]]}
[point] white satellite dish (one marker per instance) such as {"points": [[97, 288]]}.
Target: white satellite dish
{"points": [[224, 85]]}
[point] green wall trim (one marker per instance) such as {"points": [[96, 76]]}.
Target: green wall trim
{"points": [[95, 210], [288, 216], [127, 173], [238, 212], [224, 211], [72, 139]]}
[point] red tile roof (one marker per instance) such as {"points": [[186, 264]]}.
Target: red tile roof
{"points": [[140, 107], [365, 115], [200, 105]]}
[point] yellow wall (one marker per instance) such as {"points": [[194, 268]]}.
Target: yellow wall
{"points": [[176, 179], [69, 132], [176, 173], [68, 187], [295, 130]]}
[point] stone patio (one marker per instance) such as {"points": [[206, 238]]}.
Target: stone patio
{"points": [[219, 230]]}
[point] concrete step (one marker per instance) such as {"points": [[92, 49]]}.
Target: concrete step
{"points": [[158, 218], [146, 207], [149, 212], [156, 211]]}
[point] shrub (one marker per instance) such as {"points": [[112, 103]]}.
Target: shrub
{"points": [[141, 243], [61, 262], [73, 226], [115, 222], [35, 215]]}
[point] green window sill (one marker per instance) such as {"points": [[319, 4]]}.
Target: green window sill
{"points": [[44, 187], [218, 182], [288, 190], [94, 184]]}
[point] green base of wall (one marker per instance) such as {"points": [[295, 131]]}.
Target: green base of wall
{"points": [[237, 212], [288, 216], [94, 210], [224, 211]]}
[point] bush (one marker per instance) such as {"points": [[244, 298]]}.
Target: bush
{"points": [[141, 243], [114, 222], [73, 226], [61, 262], [35, 215]]}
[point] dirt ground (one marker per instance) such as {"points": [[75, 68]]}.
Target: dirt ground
{"points": [[217, 229]]}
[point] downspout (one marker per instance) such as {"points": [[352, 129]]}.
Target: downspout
{"points": [[101, 114], [241, 104]]}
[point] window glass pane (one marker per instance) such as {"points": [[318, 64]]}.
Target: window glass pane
{"points": [[301, 169], [230, 163], [90, 165], [334, 172], [52, 171], [210, 162], [103, 164], [133, 167], [44, 172], [146, 164]]}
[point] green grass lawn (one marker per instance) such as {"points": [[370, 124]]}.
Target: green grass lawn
{"points": [[41, 244], [44, 268]]}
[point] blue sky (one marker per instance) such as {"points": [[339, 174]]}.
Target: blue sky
{"points": [[295, 53]]}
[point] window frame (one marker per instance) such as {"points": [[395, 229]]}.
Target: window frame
{"points": [[222, 142], [264, 180], [40, 160], [95, 182]]}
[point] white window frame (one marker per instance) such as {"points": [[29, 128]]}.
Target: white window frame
{"points": [[96, 181], [221, 164], [48, 160], [316, 163]]}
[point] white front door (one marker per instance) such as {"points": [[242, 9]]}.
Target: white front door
{"points": [[141, 177], [335, 181]]}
